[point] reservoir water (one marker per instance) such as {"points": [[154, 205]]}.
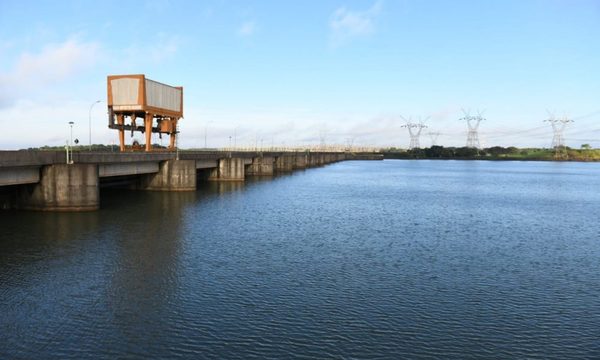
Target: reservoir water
{"points": [[356, 260]]}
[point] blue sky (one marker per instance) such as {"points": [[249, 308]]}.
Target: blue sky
{"points": [[291, 72]]}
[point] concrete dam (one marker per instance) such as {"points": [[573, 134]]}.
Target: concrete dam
{"points": [[45, 181]]}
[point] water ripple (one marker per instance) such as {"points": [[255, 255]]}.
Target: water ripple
{"points": [[358, 260]]}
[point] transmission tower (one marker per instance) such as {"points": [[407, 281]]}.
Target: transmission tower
{"points": [[434, 136], [473, 124], [322, 138], [414, 131], [558, 141]]}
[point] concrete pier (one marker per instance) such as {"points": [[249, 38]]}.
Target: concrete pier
{"points": [[261, 166], [300, 161], [284, 163], [316, 160], [41, 180], [173, 175], [62, 187], [228, 169]]}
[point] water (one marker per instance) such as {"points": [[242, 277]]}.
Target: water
{"points": [[393, 259]]}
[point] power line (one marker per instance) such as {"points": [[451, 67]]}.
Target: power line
{"points": [[586, 116]]}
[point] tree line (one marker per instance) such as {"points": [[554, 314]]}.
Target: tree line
{"points": [[586, 153]]}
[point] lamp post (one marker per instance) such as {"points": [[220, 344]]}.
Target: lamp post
{"points": [[177, 145], [90, 122], [70, 150]]}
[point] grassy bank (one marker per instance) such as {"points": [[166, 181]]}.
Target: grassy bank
{"points": [[494, 153]]}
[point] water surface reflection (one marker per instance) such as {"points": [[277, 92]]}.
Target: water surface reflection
{"points": [[393, 259]]}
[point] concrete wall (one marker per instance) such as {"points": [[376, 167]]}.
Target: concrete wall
{"points": [[300, 161], [122, 169], [19, 175], [173, 175], [315, 160], [206, 164], [261, 166], [229, 169], [284, 163], [62, 187]]}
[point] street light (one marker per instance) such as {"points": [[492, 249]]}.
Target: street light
{"points": [[70, 158], [71, 140], [90, 121]]}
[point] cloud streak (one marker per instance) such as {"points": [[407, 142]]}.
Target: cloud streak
{"points": [[346, 24]]}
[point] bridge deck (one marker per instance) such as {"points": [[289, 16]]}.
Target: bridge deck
{"points": [[23, 166]]}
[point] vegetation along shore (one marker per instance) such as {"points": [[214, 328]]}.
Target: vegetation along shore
{"points": [[585, 153]]}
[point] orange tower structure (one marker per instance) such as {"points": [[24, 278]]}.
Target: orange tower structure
{"points": [[133, 97]]}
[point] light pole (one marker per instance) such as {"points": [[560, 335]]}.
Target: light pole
{"points": [[176, 144], [90, 122], [70, 158], [229, 142]]}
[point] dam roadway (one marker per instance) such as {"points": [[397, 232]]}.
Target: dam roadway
{"points": [[42, 180]]}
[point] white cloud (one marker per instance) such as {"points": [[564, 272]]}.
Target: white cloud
{"points": [[346, 24], [289, 126], [248, 28], [44, 123], [54, 63]]}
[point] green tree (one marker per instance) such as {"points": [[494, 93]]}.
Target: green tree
{"points": [[466, 152], [497, 150], [435, 151]]}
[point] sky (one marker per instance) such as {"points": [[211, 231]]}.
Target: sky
{"points": [[285, 73]]}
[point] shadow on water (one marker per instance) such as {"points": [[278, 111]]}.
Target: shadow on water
{"points": [[211, 188], [149, 232], [219, 187], [31, 236], [117, 269], [130, 251]]}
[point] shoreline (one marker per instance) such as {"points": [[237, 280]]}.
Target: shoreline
{"points": [[490, 159]]}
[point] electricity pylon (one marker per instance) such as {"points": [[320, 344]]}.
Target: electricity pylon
{"points": [[558, 140], [473, 125], [322, 138], [414, 130], [434, 136]]}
